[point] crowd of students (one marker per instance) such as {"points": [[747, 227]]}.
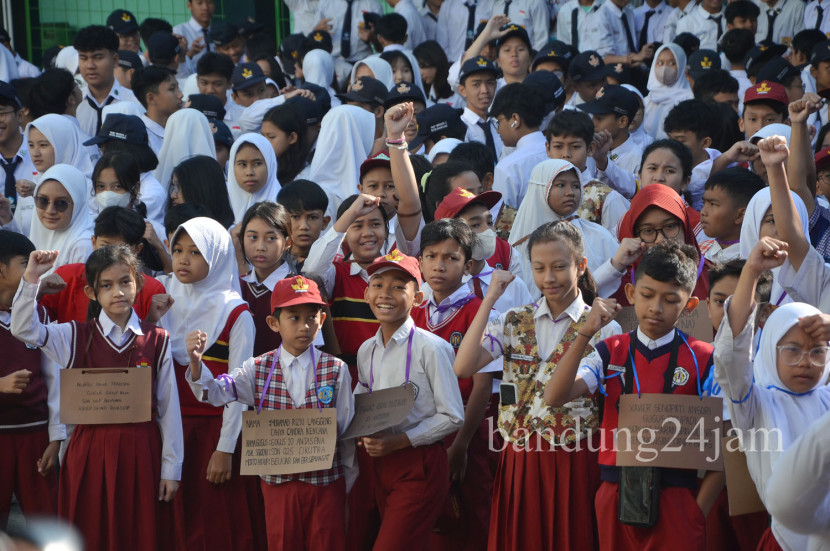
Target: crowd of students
{"points": [[458, 198]]}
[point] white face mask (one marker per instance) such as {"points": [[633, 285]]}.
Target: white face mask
{"points": [[666, 75], [485, 246], [106, 199]]}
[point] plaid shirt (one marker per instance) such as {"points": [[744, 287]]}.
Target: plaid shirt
{"points": [[820, 231]]}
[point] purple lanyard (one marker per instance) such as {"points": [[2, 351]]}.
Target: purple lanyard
{"points": [[482, 274], [440, 309], [699, 269], [271, 373], [778, 302], [372, 362]]}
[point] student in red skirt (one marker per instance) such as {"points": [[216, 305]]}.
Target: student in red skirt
{"points": [[30, 428], [117, 479], [547, 473], [408, 465], [303, 511], [212, 510]]}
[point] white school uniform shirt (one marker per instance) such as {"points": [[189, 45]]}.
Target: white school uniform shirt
{"points": [[25, 69], [565, 17], [476, 134], [438, 409], [451, 30], [302, 13], [233, 114], [603, 30], [56, 341], [656, 23], [675, 15], [25, 208], [513, 171], [415, 31], [699, 24], [192, 30], [623, 180], [627, 156], [809, 283], [789, 20], [700, 173], [715, 252], [336, 11], [811, 15], [744, 83], [155, 198], [429, 21], [155, 133], [515, 295], [88, 117], [532, 15]]}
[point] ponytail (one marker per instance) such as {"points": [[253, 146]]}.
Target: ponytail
{"points": [[562, 230]]}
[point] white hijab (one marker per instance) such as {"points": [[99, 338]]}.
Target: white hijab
{"points": [[662, 98], [241, 200], [751, 234], [8, 65], [67, 59], [380, 68], [640, 137], [204, 305], [318, 68], [66, 140], [79, 231], [347, 134], [186, 135]]}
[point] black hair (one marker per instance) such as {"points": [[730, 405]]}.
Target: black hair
{"points": [[678, 149], [438, 185], [458, 230], [13, 244], [522, 100], [670, 262], [822, 133], [393, 56], [715, 82], [260, 44], [571, 122], [152, 25], [349, 201], [50, 92], [23, 87], [104, 258], [155, 60], [289, 120], [303, 195], [278, 310], [273, 214], [120, 222], [95, 37], [275, 71], [736, 43], [572, 236], [179, 214], [143, 154], [128, 174], [781, 109], [804, 41], [148, 79], [477, 155], [740, 8], [722, 270], [431, 54], [392, 27], [215, 63], [738, 183], [693, 115], [202, 180], [730, 130]]}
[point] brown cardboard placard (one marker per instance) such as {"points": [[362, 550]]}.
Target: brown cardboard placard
{"points": [[740, 489], [696, 323], [669, 430], [106, 396], [379, 410], [288, 441]]}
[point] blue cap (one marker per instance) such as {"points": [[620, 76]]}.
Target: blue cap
{"points": [[221, 132], [8, 91], [436, 121], [556, 51], [246, 75], [404, 91], [311, 110], [477, 64], [208, 104], [587, 66], [163, 45], [117, 126], [702, 62], [613, 99]]}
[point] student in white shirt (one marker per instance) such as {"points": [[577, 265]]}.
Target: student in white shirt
{"points": [[570, 18], [14, 152], [197, 29], [650, 21], [531, 15], [586, 72], [338, 16], [415, 33], [478, 86], [213, 76], [817, 15], [738, 47], [787, 17], [681, 9], [158, 91], [706, 21], [24, 68], [457, 23], [667, 86], [610, 30]]}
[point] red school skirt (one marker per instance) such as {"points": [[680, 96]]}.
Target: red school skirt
{"points": [[543, 499], [740, 533], [768, 542], [19, 453]]}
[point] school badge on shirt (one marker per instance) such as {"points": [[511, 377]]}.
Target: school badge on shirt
{"points": [[681, 377], [325, 394]]}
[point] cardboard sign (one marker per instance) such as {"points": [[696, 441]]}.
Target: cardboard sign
{"points": [[106, 396], [379, 410], [288, 441], [669, 430], [696, 323], [740, 489]]}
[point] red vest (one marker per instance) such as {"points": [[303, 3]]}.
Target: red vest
{"points": [[501, 258], [28, 410], [258, 298], [353, 320]]}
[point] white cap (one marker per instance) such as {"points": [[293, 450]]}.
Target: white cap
{"points": [[776, 129], [443, 146]]}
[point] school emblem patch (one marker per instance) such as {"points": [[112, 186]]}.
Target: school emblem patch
{"points": [[681, 377], [125, 17], [394, 256], [706, 62], [412, 388], [763, 88], [455, 339], [247, 73], [325, 394], [593, 61], [600, 93]]}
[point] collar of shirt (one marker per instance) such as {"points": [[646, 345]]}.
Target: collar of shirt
{"points": [[115, 92], [688, 9], [458, 294], [110, 328], [645, 8], [705, 14], [5, 318], [280, 273], [394, 48], [194, 26], [653, 344], [471, 118], [534, 138], [622, 149], [573, 311], [613, 8], [355, 269], [400, 336], [303, 360], [153, 126]]}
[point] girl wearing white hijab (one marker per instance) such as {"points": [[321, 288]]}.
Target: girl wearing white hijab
{"points": [[379, 68], [63, 222], [639, 135], [347, 134], [8, 65], [187, 134], [241, 199], [667, 86], [537, 209], [318, 68]]}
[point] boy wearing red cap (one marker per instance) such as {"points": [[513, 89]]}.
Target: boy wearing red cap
{"points": [[765, 103], [408, 463], [292, 376]]}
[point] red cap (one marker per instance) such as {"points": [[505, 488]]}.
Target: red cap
{"points": [[822, 159], [766, 90], [458, 199], [294, 291], [381, 158], [396, 260]]}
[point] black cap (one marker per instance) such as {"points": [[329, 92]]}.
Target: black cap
{"points": [[689, 42], [587, 66], [404, 91], [365, 90], [436, 121], [321, 96], [163, 45], [4, 35], [290, 51], [514, 31], [619, 71], [223, 33], [821, 52], [7, 91], [613, 99], [122, 22], [549, 86], [321, 39], [777, 70], [117, 126], [246, 75], [221, 132], [477, 64], [556, 51], [759, 56], [207, 104], [247, 26], [702, 62], [129, 59], [309, 109]]}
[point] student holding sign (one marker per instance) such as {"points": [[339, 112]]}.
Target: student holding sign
{"points": [[290, 377], [117, 479], [656, 358]]}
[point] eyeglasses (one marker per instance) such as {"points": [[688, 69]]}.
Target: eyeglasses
{"points": [[174, 188], [824, 178], [669, 231], [61, 205], [6, 114], [792, 355]]}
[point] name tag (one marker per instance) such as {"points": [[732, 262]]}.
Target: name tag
{"points": [[521, 357], [617, 368]]}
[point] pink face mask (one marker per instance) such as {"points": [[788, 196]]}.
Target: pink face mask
{"points": [[666, 75]]}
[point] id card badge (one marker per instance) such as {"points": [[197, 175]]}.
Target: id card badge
{"points": [[508, 394]]}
